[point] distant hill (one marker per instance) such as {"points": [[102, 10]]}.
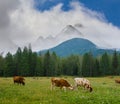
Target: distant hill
{"points": [[77, 46]]}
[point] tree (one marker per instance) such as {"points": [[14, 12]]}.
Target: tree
{"points": [[115, 63], [58, 71], [74, 64], [9, 65], [79, 66], [34, 63], [2, 65], [39, 71], [18, 60], [47, 66], [87, 64], [32, 60], [105, 64], [24, 71], [54, 64], [96, 69]]}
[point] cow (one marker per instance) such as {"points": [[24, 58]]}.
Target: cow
{"points": [[84, 83], [19, 80], [117, 81], [59, 82]]}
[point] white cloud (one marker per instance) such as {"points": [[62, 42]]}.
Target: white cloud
{"points": [[25, 24]]}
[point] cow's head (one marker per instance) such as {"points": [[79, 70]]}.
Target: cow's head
{"points": [[23, 83], [71, 87], [91, 89]]}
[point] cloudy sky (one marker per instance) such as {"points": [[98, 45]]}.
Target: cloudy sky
{"points": [[24, 21]]}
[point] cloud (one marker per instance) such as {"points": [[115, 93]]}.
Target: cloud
{"points": [[6, 6], [22, 24]]}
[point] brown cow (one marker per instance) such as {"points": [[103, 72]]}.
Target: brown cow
{"points": [[62, 83], [19, 80], [117, 81]]}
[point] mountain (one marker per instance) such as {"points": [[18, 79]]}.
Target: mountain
{"points": [[66, 33], [69, 32], [78, 46], [96, 37], [7, 46], [43, 43]]}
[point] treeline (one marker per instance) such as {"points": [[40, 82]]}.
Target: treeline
{"points": [[27, 63]]}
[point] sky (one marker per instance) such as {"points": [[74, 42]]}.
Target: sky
{"points": [[24, 21], [110, 8]]}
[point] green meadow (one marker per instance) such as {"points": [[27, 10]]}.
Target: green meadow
{"points": [[38, 91]]}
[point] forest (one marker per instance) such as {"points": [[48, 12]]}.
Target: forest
{"points": [[25, 62]]}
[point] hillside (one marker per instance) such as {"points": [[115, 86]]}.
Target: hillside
{"points": [[78, 46]]}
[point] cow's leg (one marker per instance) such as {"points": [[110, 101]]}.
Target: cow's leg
{"points": [[76, 86], [14, 82], [64, 88], [52, 86]]}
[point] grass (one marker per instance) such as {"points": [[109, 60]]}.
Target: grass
{"points": [[37, 91]]}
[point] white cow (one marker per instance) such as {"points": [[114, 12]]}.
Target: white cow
{"points": [[83, 82]]}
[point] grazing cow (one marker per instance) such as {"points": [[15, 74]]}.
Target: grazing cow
{"points": [[117, 81], [62, 83], [19, 80], [83, 82]]}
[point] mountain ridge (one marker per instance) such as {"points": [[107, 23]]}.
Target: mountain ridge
{"points": [[77, 46], [68, 32]]}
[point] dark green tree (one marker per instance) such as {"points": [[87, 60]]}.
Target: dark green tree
{"points": [[32, 61], [24, 71], [39, 71], [54, 64], [47, 64], [71, 65], [115, 63], [9, 65], [18, 60], [79, 65], [105, 64], [96, 69], [2, 65], [63, 66], [87, 64], [58, 71], [119, 63]]}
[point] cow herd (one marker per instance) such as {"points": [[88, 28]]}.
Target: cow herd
{"points": [[60, 82], [63, 83]]}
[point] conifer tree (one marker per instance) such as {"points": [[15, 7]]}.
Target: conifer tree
{"points": [[47, 64], [18, 60], [2, 65], [39, 71], [9, 65], [115, 63], [105, 64], [24, 71], [87, 64]]}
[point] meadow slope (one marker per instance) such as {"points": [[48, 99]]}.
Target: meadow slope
{"points": [[37, 91]]}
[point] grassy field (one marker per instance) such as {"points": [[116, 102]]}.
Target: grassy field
{"points": [[37, 91]]}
